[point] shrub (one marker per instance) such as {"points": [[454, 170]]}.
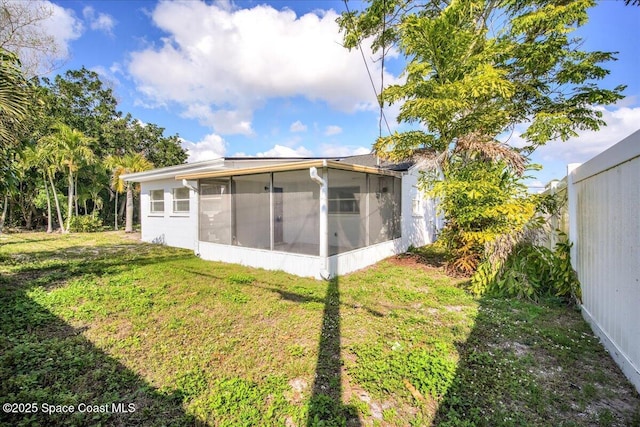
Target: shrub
{"points": [[530, 272], [481, 201], [85, 224]]}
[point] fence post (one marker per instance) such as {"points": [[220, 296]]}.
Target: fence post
{"points": [[572, 207]]}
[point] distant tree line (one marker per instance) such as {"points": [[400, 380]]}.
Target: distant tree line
{"points": [[64, 145]]}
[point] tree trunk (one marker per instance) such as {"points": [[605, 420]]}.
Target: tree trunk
{"points": [[123, 204], [28, 219], [46, 191], [70, 201], [55, 198], [129, 219], [75, 194], [116, 212], [5, 207]]}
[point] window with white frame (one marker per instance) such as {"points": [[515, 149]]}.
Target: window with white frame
{"points": [[181, 200], [344, 200], [416, 206], [156, 198]]}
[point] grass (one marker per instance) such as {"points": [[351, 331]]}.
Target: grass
{"points": [[101, 319]]}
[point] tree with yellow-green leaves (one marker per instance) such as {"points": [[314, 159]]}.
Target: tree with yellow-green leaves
{"points": [[121, 165], [475, 70]]}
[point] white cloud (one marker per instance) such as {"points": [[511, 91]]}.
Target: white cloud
{"points": [[101, 21], [332, 130], [63, 26], [224, 121], [297, 126], [332, 150], [621, 122], [212, 146], [282, 151], [236, 59], [40, 33]]}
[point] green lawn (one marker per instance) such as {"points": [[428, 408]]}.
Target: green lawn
{"points": [[98, 319]]}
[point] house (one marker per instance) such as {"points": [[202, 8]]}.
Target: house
{"points": [[317, 217]]}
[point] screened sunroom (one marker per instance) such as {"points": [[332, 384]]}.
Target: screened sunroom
{"points": [[300, 216]]}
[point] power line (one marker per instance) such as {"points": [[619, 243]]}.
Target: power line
{"points": [[373, 85]]}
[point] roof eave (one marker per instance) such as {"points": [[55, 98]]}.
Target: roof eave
{"points": [[289, 167], [171, 171]]}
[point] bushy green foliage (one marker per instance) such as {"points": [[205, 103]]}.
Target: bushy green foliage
{"points": [[86, 224], [477, 66], [480, 201], [530, 272]]}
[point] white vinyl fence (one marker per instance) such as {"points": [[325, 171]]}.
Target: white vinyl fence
{"points": [[604, 226]]}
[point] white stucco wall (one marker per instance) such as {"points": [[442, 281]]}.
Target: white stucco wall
{"points": [[360, 258], [298, 264], [168, 228], [421, 227]]}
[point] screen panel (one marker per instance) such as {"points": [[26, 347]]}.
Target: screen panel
{"points": [[215, 211]]}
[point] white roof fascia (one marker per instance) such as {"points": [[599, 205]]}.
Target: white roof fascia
{"points": [[170, 172], [221, 163]]}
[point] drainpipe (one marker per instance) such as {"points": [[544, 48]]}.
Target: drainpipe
{"points": [[324, 219], [185, 183]]}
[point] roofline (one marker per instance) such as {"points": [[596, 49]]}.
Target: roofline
{"points": [[289, 167], [170, 171]]}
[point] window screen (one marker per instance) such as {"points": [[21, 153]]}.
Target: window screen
{"points": [[384, 208], [215, 211], [296, 213], [251, 210], [347, 210]]}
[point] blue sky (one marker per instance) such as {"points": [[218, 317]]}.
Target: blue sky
{"points": [[270, 78]]}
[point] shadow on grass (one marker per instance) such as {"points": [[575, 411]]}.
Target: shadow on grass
{"points": [[45, 363], [535, 364], [325, 405], [286, 295]]}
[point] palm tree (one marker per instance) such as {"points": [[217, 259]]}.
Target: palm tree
{"points": [[121, 165], [32, 158], [42, 158], [14, 104], [14, 97], [71, 150]]}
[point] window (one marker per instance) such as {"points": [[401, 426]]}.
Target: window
{"points": [[181, 199], [157, 201], [343, 200], [416, 206]]}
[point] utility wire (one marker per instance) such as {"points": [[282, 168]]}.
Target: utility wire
{"points": [[384, 27], [373, 85]]}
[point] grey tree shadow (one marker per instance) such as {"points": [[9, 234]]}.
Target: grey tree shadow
{"points": [[45, 361]]}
